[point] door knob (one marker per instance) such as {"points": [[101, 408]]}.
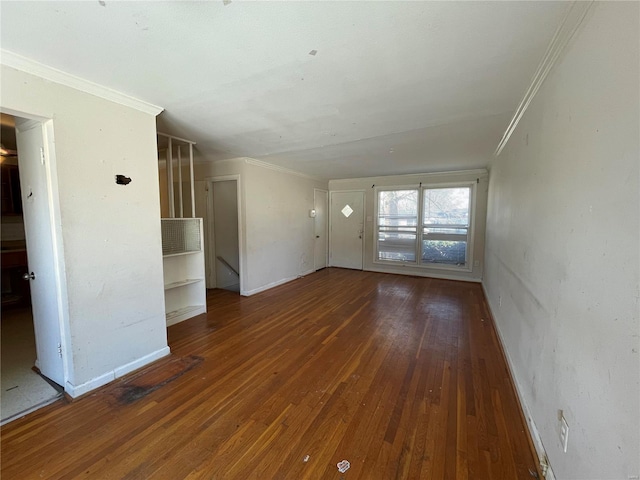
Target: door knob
{"points": [[29, 276]]}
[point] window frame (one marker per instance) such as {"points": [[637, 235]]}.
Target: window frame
{"points": [[418, 263]]}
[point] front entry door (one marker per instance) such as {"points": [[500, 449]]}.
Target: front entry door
{"points": [[347, 229]]}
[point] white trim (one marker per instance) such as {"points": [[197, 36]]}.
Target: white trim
{"points": [[48, 143], [274, 284], [141, 362], [573, 18], [481, 172], [472, 225], [422, 266], [533, 429], [185, 313], [424, 273], [192, 180], [210, 276], [271, 166], [210, 228], [326, 229], [32, 67], [78, 390], [58, 249]]}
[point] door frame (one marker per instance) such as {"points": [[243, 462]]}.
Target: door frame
{"points": [[59, 264], [326, 228], [364, 218], [210, 279]]}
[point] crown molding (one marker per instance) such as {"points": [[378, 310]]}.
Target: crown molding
{"points": [[32, 67], [573, 18]]}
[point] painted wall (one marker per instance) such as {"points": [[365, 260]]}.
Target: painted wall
{"points": [[225, 215], [562, 256], [278, 239], [110, 233], [365, 184]]}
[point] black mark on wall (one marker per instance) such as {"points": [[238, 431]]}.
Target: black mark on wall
{"points": [[122, 180]]}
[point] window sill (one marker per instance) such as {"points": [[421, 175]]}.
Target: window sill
{"points": [[423, 266]]}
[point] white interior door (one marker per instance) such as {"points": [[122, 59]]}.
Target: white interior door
{"points": [[40, 250], [321, 226], [347, 223]]}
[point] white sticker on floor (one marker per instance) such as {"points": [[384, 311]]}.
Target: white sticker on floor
{"points": [[343, 466]]}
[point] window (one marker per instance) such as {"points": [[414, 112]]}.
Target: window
{"points": [[445, 225], [428, 226], [397, 225]]}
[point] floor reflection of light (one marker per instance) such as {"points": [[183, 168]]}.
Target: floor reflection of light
{"points": [[433, 302], [395, 290]]}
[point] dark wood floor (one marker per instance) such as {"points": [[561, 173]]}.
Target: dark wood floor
{"points": [[401, 376]]}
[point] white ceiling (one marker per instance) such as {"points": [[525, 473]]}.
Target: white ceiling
{"points": [[393, 87]]}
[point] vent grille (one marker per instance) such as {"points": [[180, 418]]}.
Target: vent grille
{"points": [[180, 235]]}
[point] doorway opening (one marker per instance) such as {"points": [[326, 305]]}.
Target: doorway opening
{"points": [[23, 387], [224, 270]]}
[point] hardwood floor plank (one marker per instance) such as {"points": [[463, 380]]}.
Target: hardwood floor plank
{"points": [[401, 376]]}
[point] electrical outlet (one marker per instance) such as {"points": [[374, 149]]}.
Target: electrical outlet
{"points": [[476, 263], [499, 300], [564, 433]]}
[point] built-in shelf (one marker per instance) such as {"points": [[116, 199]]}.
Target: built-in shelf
{"points": [[184, 313], [184, 286], [182, 283]]}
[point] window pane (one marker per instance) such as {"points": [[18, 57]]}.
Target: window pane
{"points": [[397, 245], [444, 252], [398, 208], [446, 206]]}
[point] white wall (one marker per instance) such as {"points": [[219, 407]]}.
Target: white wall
{"points": [[110, 233], [562, 256], [278, 240], [413, 180]]}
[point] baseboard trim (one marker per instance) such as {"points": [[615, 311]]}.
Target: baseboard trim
{"points": [[533, 432], [75, 391], [413, 273], [141, 362], [247, 293]]}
